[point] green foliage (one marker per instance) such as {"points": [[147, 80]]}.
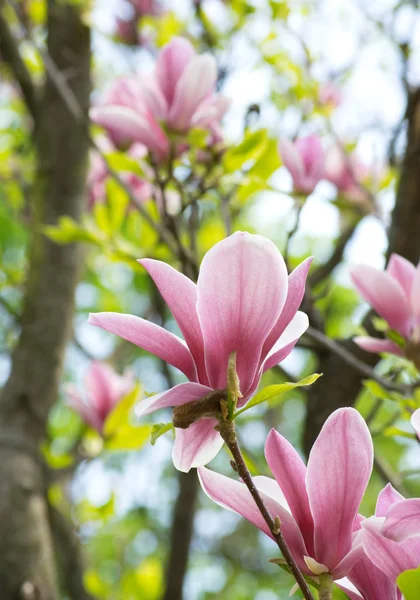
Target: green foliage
{"points": [[118, 432], [159, 429], [409, 584]]}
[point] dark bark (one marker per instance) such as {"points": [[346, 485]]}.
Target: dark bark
{"points": [[341, 384], [181, 534], [26, 546]]}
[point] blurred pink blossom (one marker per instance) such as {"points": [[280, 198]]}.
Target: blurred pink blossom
{"points": [[177, 96], [347, 173], [330, 94], [104, 388], [395, 295], [304, 158], [317, 505], [244, 302]]}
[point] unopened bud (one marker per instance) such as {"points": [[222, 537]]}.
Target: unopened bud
{"points": [[277, 525]]}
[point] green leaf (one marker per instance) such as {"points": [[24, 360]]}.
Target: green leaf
{"points": [[159, 429], [376, 389], [128, 437], [409, 583], [251, 148], [119, 417], [272, 391]]}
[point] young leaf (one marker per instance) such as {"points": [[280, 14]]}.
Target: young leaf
{"points": [[120, 415], [409, 583], [272, 391], [159, 429]]}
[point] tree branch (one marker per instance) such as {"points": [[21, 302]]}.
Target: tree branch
{"points": [[10, 52]]}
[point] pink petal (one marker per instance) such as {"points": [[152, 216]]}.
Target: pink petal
{"points": [[377, 346], [290, 472], [176, 396], [87, 413], [197, 445], [99, 385], [386, 498], [149, 337], [270, 487], [402, 520], [235, 496], [196, 83], [403, 271], [339, 468], [415, 421], [171, 63], [210, 111], [349, 589], [291, 335], [124, 125], [241, 289], [295, 293], [180, 294], [292, 161], [313, 156], [347, 563], [391, 557], [154, 98], [371, 581], [385, 295]]}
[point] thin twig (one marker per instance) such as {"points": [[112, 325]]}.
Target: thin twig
{"points": [[227, 431], [357, 364]]}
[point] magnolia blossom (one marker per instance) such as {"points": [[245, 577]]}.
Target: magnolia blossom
{"points": [[98, 174], [395, 295], [415, 421], [104, 388], [347, 174], [366, 580], [391, 539], [317, 505], [243, 302], [304, 159], [177, 96]]}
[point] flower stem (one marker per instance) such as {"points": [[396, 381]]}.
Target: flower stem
{"points": [[227, 431], [325, 587]]}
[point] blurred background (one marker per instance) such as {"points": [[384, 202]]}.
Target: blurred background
{"points": [[344, 70]]}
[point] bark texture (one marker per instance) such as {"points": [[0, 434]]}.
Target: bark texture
{"points": [[341, 384], [27, 565]]}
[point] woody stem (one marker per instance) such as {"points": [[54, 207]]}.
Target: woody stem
{"points": [[227, 431]]}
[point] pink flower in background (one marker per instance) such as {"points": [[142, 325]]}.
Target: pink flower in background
{"points": [[177, 96], [304, 159], [330, 94], [126, 31], [391, 540], [347, 174], [317, 505], [415, 421], [243, 302], [395, 295], [370, 583], [104, 388]]}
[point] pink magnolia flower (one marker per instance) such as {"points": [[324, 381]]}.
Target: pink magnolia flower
{"points": [[243, 301], [347, 173], [391, 539], [304, 159], [317, 505], [395, 295], [330, 94], [415, 421], [370, 583], [104, 388], [177, 96]]}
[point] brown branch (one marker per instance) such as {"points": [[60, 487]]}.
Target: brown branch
{"points": [[227, 431], [26, 545], [10, 53]]}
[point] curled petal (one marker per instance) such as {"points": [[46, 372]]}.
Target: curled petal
{"points": [[149, 337], [176, 396], [241, 289], [402, 520], [339, 468], [385, 295], [283, 347], [403, 271], [386, 498], [376, 346], [197, 445]]}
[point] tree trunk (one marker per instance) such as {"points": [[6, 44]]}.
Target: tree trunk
{"points": [[27, 565], [341, 384]]}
